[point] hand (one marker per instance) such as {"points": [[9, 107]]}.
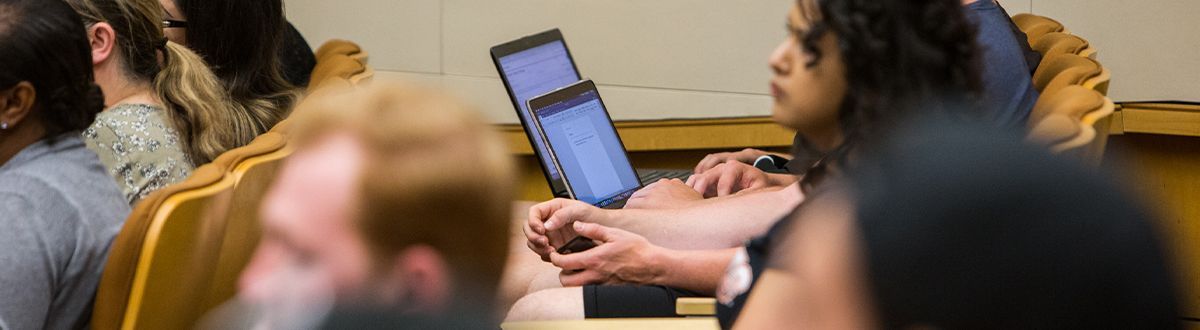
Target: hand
{"points": [[728, 178], [748, 156], [664, 194], [549, 224], [621, 258]]}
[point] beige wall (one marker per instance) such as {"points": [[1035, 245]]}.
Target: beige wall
{"points": [[657, 59]]}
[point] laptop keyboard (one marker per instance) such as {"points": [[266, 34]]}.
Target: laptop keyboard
{"points": [[652, 176]]}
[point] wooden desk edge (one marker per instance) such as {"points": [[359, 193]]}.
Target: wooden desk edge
{"points": [[680, 134]]}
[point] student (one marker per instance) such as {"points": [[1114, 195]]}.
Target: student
{"points": [[241, 41], [1008, 97], [960, 227], [167, 113], [397, 199], [59, 210], [848, 73]]}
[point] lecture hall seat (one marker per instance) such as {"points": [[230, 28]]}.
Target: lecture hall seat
{"points": [[161, 262]]}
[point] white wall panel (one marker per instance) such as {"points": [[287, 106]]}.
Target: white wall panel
{"points": [[624, 103], [401, 35], [1151, 46], [705, 45], [657, 59]]}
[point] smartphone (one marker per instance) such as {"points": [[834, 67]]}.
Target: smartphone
{"points": [[578, 244]]}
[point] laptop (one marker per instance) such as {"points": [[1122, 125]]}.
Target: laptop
{"points": [[584, 145], [538, 64]]}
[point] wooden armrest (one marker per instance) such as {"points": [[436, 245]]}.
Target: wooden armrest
{"points": [[696, 306], [628, 324]]}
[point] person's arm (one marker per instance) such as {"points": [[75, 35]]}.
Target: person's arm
{"points": [[723, 223], [626, 258], [717, 223]]}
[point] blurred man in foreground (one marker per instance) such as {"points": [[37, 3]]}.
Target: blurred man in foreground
{"points": [[392, 212]]}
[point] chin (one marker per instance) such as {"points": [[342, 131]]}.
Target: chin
{"points": [[780, 116]]}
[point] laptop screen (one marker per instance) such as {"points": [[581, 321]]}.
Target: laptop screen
{"points": [[588, 149], [536, 71]]}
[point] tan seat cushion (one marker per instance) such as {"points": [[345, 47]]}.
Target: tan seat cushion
{"points": [[1055, 129], [339, 66], [1071, 101], [1055, 43], [1027, 21], [1077, 68], [337, 47]]}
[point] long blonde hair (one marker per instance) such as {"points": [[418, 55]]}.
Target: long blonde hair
{"points": [[197, 106]]}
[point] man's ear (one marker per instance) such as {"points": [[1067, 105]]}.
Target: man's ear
{"points": [[16, 103], [424, 285], [103, 39]]}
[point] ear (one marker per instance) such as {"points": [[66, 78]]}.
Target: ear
{"points": [[16, 103], [424, 280], [103, 40]]}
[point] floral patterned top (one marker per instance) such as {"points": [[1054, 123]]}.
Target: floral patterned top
{"points": [[140, 149]]}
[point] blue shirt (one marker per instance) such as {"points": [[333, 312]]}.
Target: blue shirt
{"points": [[1008, 91]]}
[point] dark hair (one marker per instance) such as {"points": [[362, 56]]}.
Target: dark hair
{"points": [[240, 40], [44, 43], [967, 227], [901, 57]]}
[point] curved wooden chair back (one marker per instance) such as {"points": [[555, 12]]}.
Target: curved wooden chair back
{"points": [[1067, 69], [253, 176], [1056, 43], [161, 262]]}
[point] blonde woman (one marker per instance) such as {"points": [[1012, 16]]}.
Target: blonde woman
{"points": [[166, 111]]}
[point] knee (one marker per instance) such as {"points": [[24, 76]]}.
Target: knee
{"points": [[560, 304]]}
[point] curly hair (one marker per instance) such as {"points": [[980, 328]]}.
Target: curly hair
{"points": [[902, 58], [44, 43]]}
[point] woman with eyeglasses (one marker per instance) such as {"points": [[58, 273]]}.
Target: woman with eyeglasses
{"points": [[59, 210], [167, 113], [241, 40]]}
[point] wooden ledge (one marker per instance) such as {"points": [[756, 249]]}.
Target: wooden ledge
{"points": [[681, 134], [1176, 119]]}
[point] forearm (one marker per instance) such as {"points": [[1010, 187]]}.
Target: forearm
{"points": [[695, 270], [719, 224]]}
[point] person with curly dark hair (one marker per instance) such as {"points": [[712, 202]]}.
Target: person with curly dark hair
{"points": [[848, 74], [1007, 99], [59, 208]]}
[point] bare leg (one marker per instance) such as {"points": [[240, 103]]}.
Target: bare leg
{"points": [[551, 304], [524, 272]]}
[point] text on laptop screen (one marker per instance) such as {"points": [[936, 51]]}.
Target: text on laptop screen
{"points": [[588, 149], [534, 72]]}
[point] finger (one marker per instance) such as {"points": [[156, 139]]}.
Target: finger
{"points": [[703, 165], [597, 232], [574, 261], [581, 278], [701, 184], [538, 214], [727, 181], [690, 180], [710, 161], [754, 181]]}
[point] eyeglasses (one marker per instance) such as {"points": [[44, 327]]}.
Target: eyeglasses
{"points": [[168, 23]]}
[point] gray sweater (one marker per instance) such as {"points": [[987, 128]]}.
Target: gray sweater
{"points": [[59, 212]]}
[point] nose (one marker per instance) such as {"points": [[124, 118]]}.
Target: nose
{"points": [[778, 60]]}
